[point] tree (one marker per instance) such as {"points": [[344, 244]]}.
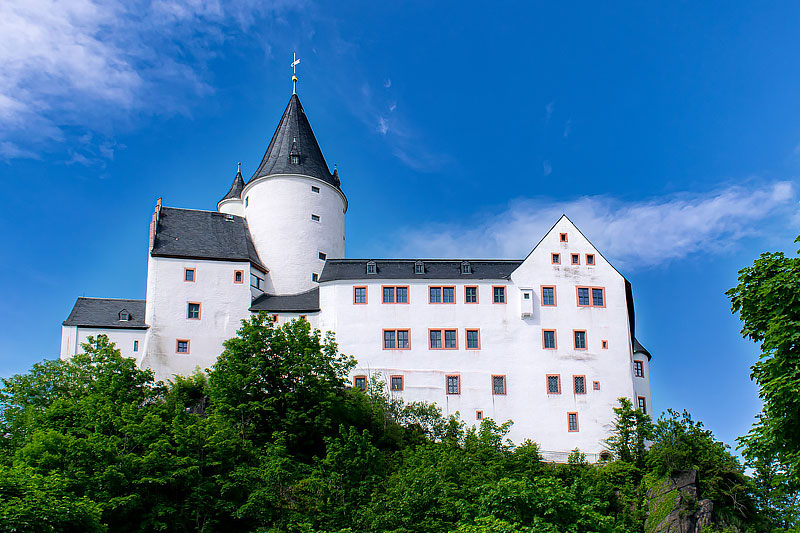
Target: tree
{"points": [[767, 299], [632, 428]]}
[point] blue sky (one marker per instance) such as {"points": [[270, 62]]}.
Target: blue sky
{"points": [[668, 132]]}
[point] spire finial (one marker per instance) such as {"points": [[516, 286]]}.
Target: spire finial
{"points": [[239, 168], [295, 61]]}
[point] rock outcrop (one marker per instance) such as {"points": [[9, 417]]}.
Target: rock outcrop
{"points": [[674, 507]]}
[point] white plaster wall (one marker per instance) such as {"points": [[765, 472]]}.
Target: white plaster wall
{"points": [[232, 206], [278, 210], [72, 337], [510, 345], [224, 305]]}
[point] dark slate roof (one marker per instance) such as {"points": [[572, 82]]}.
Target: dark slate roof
{"points": [[203, 235], [104, 313], [294, 135], [404, 269], [305, 301], [638, 348], [236, 188]]}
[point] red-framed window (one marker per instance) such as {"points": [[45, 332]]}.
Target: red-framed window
{"points": [[638, 369], [562, 237], [473, 339], [572, 422], [499, 385], [590, 296], [580, 342], [549, 339], [393, 294], [443, 339], [590, 259], [553, 383], [193, 310], [238, 276], [360, 382], [579, 384], [575, 259], [642, 403], [548, 294], [555, 258], [452, 384], [360, 295], [182, 346], [396, 339], [442, 294], [190, 274], [471, 294], [396, 383]]}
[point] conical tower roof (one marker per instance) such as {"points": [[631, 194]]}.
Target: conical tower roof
{"points": [[294, 149], [236, 187]]}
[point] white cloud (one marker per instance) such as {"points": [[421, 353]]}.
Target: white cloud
{"points": [[547, 168], [548, 111], [383, 125], [79, 62], [631, 235], [387, 83]]}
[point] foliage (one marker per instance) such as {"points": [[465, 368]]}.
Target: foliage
{"points": [[274, 439], [767, 299]]}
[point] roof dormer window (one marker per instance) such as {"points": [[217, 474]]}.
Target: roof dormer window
{"points": [[371, 268], [294, 153], [124, 316], [419, 267], [466, 268]]}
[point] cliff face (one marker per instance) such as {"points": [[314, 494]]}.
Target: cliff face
{"points": [[674, 506]]}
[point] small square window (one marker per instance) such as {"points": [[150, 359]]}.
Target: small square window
{"points": [[453, 384], [553, 384], [315, 218], [182, 346], [135, 346], [471, 295], [596, 385], [580, 339], [576, 259], [359, 295], [314, 189], [314, 277], [499, 295], [274, 319], [397, 383], [562, 237], [604, 344], [572, 422], [498, 384], [590, 259], [555, 259], [478, 415], [323, 256], [193, 311], [549, 339], [360, 382], [303, 317], [188, 274]]}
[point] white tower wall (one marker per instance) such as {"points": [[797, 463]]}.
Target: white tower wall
{"points": [[279, 211], [232, 206]]}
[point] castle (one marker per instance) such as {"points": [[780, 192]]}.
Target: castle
{"points": [[546, 341]]}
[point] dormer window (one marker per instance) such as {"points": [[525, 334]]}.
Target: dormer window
{"points": [[371, 268], [419, 267], [466, 268], [294, 153], [124, 316]]}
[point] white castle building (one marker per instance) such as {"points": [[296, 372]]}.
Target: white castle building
{"points": [[546, 341]]}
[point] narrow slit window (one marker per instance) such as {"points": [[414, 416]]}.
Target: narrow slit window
{"points": [[135, 346], [314, 277], [315, 218]]}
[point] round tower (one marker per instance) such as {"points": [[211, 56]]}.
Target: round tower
{"points": [[232, 203], [294, 206]]}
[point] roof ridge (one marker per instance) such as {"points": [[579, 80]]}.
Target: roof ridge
{"points": [[118, 299], [428, 259], [200, 211]]}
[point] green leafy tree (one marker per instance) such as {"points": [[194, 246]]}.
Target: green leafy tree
{"points": [[767, 299], [632, 430]]}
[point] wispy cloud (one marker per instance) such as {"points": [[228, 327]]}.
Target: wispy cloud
{"points": [[632, 235], [547, 168], [77, 63], [548, 111]]}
